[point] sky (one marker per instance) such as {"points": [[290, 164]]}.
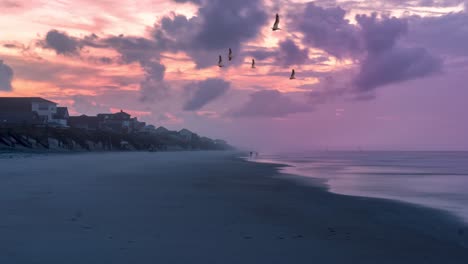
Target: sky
{"points": [[377, 75]]}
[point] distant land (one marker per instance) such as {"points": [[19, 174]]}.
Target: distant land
{"points": [[37, 124]]}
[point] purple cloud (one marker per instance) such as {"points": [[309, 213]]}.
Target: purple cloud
{"points": [[395, 65], [375, 44], [290, 54], [61, 43], [204, 92], [381, 35], [218, 25], [386, 62], [270, 103], [327, 29]]}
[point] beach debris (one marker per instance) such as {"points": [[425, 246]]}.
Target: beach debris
{"points": [[76, 216], [293, 75], [276, 24], [220, 61]]}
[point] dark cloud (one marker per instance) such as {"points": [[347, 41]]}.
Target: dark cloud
{"points": [[327, 29], [375, 43], [61, 43], [386, 62], [153, 87], [6, 76], [270, 103], [261, 54], [218, 25], [396, 65], [133, 49], [204, 92], [381, 35], [290, 54], [12, 46]]}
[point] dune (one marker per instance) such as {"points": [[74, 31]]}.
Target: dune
{"points": [[203, 207]]}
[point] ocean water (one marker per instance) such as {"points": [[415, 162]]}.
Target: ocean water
{"points": [[433, 179]]}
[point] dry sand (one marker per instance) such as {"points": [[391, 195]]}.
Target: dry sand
{"points": [[202, 207]]}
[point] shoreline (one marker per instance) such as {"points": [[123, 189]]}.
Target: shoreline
{"points": [[292, 171], [209, 206]]}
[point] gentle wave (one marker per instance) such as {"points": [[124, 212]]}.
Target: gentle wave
{"points": [[434, 179]]}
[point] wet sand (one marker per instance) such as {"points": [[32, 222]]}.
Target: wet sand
{"points": [[203, 207]]}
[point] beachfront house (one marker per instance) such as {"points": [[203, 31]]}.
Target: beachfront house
{"points": [[186, 134], [84, 122], [136, 125], [26, 110], [61, 117], [150, 129], [118, 122]]}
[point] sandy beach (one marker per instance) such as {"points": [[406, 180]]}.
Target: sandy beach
{"points": [[203, 207]]}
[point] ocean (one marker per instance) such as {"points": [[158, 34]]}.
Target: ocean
{"points": [[432, 179]]}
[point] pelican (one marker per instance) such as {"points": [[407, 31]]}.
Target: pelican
{"points": [[230, 54], [253, 63], [275, 25], [293, 75], [220, 62]]}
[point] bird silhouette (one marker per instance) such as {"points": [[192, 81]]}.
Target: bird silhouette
{"points": [[293, 75], [230, 54], [220, 61], [276, 24]]}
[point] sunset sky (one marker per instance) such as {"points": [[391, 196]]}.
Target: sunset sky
{"points": [[373, 74]]}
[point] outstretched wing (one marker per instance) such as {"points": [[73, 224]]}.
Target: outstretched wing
{"points": [[276, 21]]}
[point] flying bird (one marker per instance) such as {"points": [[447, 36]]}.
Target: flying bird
{"points": [[230, 54], [253, 63], [220, 62], [293, 75], [276, 24]]}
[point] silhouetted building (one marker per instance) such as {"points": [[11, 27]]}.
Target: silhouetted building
{"points": [[17, 110], [84, 122], [118, 122], [61, 117], [20, 118], [186, 134]]}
